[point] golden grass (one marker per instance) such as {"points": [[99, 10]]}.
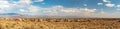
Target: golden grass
{"points": [[59, 23]]}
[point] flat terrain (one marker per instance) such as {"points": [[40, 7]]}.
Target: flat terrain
{"points": [[59, 23]]}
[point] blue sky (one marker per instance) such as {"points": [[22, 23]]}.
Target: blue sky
{"points": [[87, 8]]}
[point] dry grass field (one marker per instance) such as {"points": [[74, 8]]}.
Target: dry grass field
{"points": [[59, 23]]}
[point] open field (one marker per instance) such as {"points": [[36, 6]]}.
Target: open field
{"points": [[59, 23]]}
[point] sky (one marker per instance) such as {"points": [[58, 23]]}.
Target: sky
{"points": [[79, 8]]}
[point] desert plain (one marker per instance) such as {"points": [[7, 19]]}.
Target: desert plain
{"points": [[59, 23]]}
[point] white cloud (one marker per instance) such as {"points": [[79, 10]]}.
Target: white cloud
{"points": [[73, 10], [70, 11], [34, 9], [57, 10], [25, 2], [79, 12], [4, 4], [86, 10], [118, 6], [99, 3], [39, 0], [110, 5], [106, 1], [85, 4], [22, 10]]}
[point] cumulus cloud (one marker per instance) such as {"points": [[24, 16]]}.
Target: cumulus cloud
{"points": [[13, 5], [72, 10], [23, 11], [79, 12], [57, 10], [106, 1], [39, 0], [99, 3], [4, 4], [86, 10], [110, 5], [118, 6], [34, 9], [85, 4]]}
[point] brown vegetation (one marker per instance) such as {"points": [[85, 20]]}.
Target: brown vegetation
{"points": [[59, 23]]}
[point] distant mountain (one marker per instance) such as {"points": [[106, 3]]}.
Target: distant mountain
{"points": [[10, 14], [40, 16]]}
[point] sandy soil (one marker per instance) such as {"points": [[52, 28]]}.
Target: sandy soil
{"points": [[59, 23]]}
